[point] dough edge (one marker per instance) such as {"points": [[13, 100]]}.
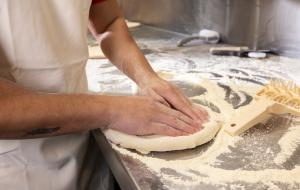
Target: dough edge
{"points": [[146, 144]]}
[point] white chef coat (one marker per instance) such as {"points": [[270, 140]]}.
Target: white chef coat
{"points": [[43, 47]]}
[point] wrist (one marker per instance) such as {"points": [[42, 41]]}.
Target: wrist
{"points": [[101, 110], [145, 79]]}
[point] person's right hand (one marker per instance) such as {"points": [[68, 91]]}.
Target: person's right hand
{"points": [[144, 116]]}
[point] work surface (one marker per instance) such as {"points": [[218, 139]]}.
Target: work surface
{"points": [[265, 157]]}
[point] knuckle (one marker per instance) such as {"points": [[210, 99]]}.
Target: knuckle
{"points": [[173, 118], [177, 114], [178, 123]]}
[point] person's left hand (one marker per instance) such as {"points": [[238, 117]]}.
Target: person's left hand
{"points": [[167, 94]]}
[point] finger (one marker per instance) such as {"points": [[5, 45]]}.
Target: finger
{"points": [[184, 98], [163, 129], [179, 102], [158, 98], [201, 111], [198, 114], [177, 114], [178, 124]]}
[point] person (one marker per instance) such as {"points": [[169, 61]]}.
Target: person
{"points": [[46, 112]]}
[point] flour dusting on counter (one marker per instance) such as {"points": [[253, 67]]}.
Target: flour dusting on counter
{"points": [[289, 143], [201, 169], [264, 157], [257, 162]]}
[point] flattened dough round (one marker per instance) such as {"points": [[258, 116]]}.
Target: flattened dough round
{"points": [[146, 144]]}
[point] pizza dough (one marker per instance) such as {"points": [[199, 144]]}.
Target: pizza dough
{"points": [[146, 144]]}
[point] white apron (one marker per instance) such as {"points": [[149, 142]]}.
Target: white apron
{"points": [[43, 46]]}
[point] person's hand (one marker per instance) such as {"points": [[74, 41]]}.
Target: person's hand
{"points": [[169, 95], [139, 115]]}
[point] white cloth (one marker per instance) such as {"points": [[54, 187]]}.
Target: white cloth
{"points": [[43, 46]]}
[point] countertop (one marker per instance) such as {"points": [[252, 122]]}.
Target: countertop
{"points": [[251, 154]]}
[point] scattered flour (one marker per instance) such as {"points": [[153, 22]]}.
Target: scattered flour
{"points": [[288, 145], [203, 168], [212, 175]]}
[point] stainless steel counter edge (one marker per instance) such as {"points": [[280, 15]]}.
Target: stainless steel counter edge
{"points": [[124, 178]]}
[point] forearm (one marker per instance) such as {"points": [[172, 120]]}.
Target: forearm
{"points": [[8, 88], [118, 45], [39, 115]]}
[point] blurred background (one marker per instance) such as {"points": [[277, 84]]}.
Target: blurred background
{"points": [[259, 24]]}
